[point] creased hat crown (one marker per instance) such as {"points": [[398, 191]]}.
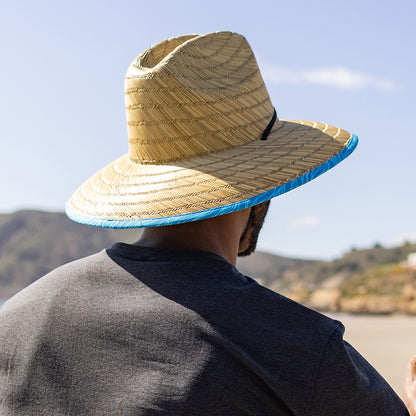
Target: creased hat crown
{"points": [[204, 140], [194, 95]]}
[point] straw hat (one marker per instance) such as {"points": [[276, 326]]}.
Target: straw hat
{"points": [[204, 139]]}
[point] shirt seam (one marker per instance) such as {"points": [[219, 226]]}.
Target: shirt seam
{"points": [[336, 331]]}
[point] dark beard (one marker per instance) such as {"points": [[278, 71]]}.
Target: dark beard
{"points": [[248, 240]]}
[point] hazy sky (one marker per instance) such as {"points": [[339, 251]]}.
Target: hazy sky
{"points": [[348, 63]]}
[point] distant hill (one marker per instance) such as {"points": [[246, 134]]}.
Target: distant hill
{"points": [[376, 280], [373, 280], [32, 243]]}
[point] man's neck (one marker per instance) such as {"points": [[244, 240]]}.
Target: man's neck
{"points": [[218, 235]]}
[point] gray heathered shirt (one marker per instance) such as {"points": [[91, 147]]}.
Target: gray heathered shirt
{"points": [[138, 331]]}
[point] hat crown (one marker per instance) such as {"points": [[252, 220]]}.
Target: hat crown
{"points": [[194, 95]]}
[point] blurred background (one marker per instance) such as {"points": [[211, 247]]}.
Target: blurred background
{"points": [[348, 63]]}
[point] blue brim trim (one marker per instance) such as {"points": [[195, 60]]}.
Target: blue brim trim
{"points": [[215, 212]]}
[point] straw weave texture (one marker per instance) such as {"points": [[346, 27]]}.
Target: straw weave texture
{"points": [[196, 109], [191, 96]]}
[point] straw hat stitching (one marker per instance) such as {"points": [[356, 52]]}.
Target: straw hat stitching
{"points": [[191, 205], [181, 52], [188, 120], [247, 111], [175, 75], [135, 90], [212, 68], [133, 140], [228, 75], [219, 156], [197, 39], [202, 44], [237, 162], [194, 38], [164, 211], [196, 89], [193, 136], [173, 210], [211, 190]]}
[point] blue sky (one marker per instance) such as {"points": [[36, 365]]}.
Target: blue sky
{"points": [[348, 63]]}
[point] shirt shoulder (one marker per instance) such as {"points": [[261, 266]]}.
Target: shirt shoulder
{"points": [[347, 384], [60, 291], [53, 282]]}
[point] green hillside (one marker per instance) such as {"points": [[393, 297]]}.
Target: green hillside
{"points": [[32, 243], [373, 280]]}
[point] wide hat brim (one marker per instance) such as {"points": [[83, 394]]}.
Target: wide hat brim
{"points": [[126, 194]]}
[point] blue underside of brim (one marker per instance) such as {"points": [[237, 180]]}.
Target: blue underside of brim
{"points": [[215, 212]]}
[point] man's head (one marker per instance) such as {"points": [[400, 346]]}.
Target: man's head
{"points": [[204, 140]]}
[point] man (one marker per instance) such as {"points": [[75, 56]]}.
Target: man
{"points": [[168, 326]]}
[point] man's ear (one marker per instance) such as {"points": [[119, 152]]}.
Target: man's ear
{"points": [[409, 397]]}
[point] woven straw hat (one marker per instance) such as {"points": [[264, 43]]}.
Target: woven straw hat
{"points": [[204, 139]]}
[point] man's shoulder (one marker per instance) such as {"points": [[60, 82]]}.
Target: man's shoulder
{"points": [[278, 304], [276, 319], [63, 279]]}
